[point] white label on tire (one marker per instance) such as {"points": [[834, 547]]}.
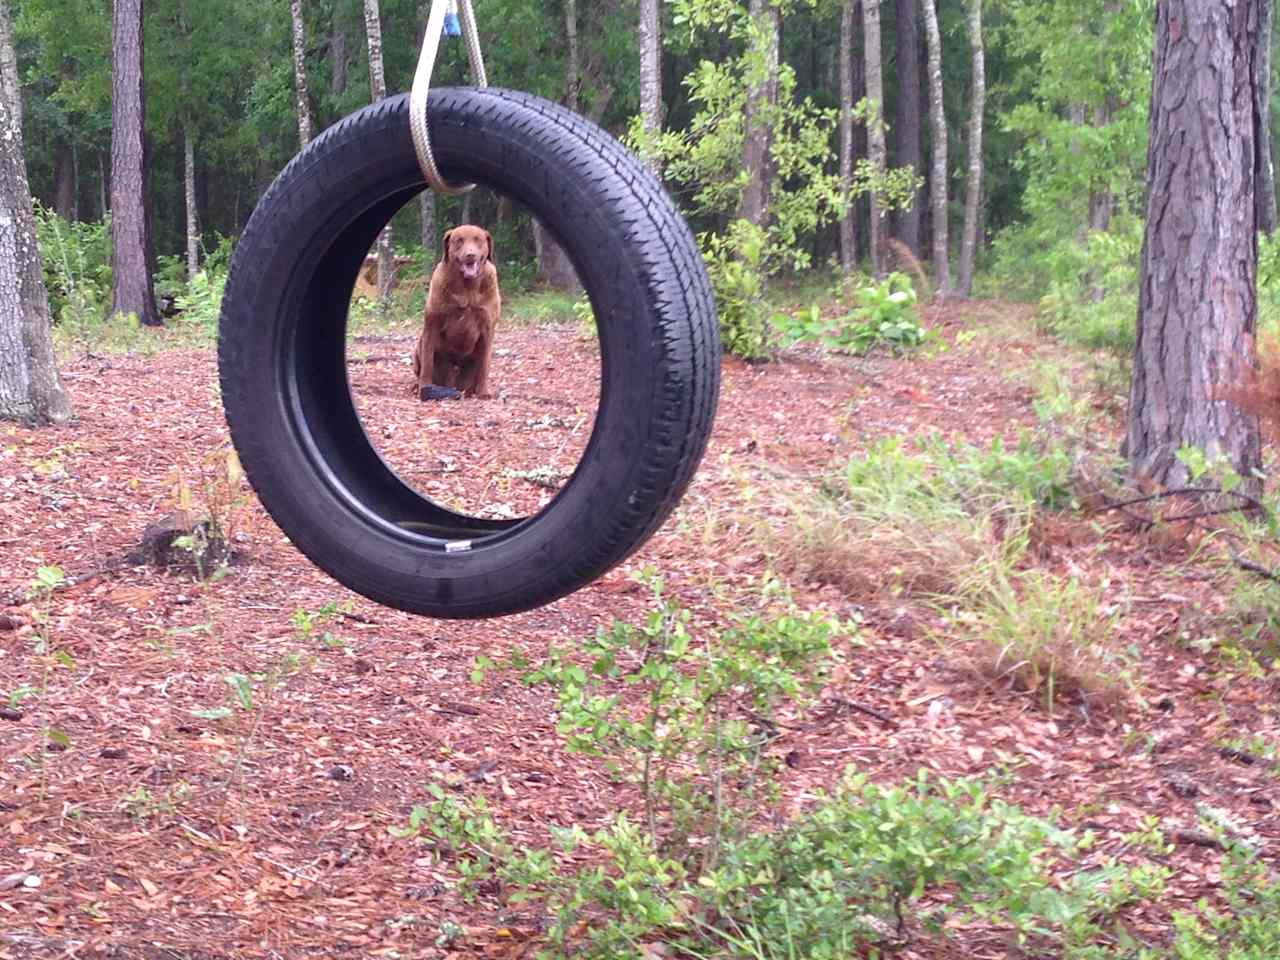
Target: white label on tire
{"points": [[457, 546]]}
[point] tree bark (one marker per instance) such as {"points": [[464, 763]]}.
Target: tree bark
{"points": [[651, 72], [1197, 307], [761, 94], [30, 388], [9, 70], [873, 70], [1266, 193], [907, 123], [300, 73], [848, 223], [189, 192], [130, 227], [378, 91], [973, 189], [938, 172], [338, 54], [64, 199], [554, 267]]}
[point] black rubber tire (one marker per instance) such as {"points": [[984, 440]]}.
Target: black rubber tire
{"points": [[281, 354]]}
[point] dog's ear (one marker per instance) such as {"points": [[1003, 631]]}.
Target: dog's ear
{"points": [[488, 238], [445, 258]]}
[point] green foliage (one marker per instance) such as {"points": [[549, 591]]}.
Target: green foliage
{"points": [[77, 269], [201, 303], [735, 264], [885, 316], [1079, 109], [686, 745], [1249, 926]]}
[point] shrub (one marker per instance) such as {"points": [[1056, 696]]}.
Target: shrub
{"points": [[885, 315]]}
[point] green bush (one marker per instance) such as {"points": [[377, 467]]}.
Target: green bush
{"points": [[885, 315], [736, 265], [77, 268]]}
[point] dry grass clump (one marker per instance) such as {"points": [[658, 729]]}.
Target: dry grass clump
{"points": [[894, 527], [873, 557], [1049, 636]]}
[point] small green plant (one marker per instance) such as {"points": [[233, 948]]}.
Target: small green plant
{"points": [[736, 264], [77, 271], [707, 715], [885, 316], [48, 580], [310, 624], [200, 302]]}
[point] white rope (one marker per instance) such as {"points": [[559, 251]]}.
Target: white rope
{"points": [[422, 83]]}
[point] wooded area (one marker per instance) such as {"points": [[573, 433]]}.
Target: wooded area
{"points": [[963, 642]]}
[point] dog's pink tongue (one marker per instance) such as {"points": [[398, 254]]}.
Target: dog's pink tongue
{"points": [[471, 270]]}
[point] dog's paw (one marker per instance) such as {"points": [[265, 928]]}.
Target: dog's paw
{"points": [[433, 392]]}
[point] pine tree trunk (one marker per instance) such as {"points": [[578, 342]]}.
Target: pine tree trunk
{"points": [[754, 205], [338, 54], [848, 223], [64, 200], [907, 123], [378, 91], [651, 72], [1197, 308], [130, 228], [554, 267], [30, 388], [1266, 192], [938, 171], [973, 189], [872, 68], [189, 191], [574, 68], [9, 71], [300, 73]]}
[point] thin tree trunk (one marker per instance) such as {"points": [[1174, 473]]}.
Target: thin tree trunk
{"points": [[378, 90], [189, 191], [64, 200], [848, 240], [907, 124], [338, 54], [30, 388], [938, 173], [1266, 193], [574, 67], [130, 228], [300, 72], [872, 69], [973, 189], [651, 72], [1197, 306], [754, 206], [554, 266]]}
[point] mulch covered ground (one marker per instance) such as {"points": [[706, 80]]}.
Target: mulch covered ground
{"points": [[163, 819]]}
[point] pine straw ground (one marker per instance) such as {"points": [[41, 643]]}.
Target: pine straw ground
{"points": [[156, 832]]}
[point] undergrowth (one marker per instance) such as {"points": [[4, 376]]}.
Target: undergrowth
{"points": [[705, 868]]}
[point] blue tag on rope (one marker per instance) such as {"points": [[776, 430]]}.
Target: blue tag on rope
{"points": [[452, 28]]}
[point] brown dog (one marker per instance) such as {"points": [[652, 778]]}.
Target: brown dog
{"points": [[463, 305]]}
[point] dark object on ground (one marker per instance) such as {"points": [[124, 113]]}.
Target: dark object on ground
{"points": [[433, 392], [182, 541], [282, 355]]}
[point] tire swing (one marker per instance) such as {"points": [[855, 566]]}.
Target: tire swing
{"points": [[282, 343]]}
